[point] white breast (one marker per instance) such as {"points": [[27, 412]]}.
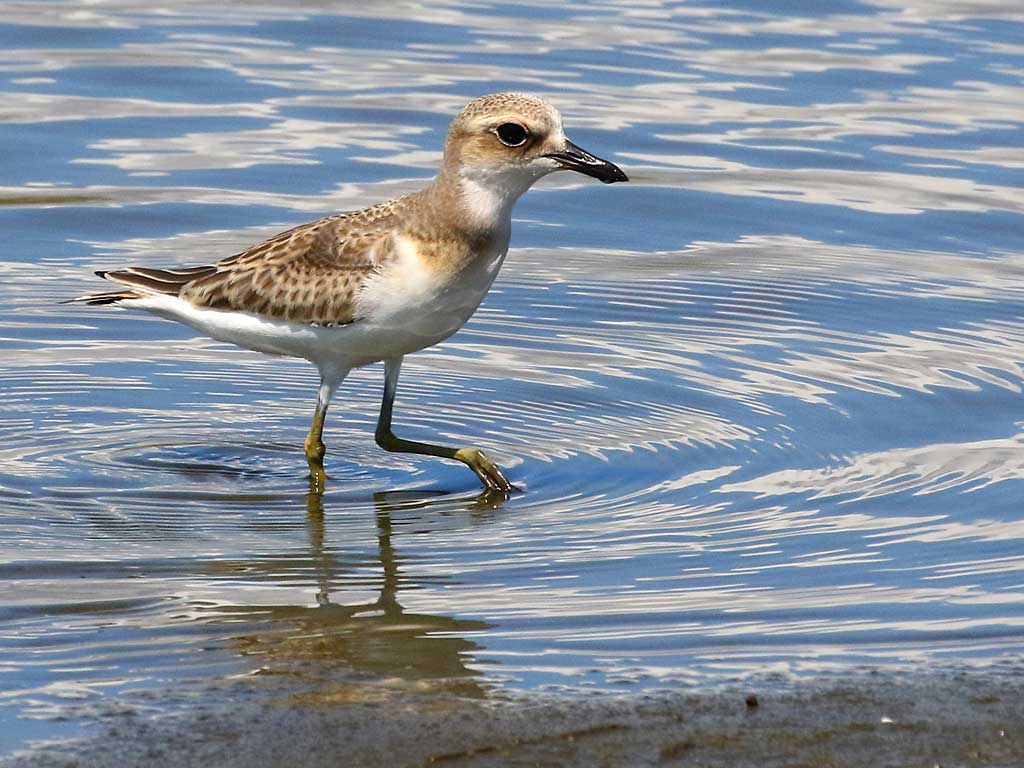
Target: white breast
{"points": [[411, 305]]}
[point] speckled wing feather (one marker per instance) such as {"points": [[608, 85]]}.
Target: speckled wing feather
{"points": [[310, 274]]}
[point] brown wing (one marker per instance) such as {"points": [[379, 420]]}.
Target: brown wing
{"points": [[309, 274]]}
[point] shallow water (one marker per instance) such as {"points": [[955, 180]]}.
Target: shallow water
{"points": [[764, 402]]}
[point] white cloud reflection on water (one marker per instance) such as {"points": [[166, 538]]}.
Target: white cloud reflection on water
{"points": [[1004, 157], [34, 108], [924, 470], [288, 142]]}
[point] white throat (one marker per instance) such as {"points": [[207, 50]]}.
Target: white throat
{"points": [[489, 194]]}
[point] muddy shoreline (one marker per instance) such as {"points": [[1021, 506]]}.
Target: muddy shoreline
{"points": [[950, 719]]}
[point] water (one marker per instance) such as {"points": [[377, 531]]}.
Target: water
{"points": [[764, 401]]}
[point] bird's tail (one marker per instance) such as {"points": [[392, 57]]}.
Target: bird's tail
{"points": [[99, 299], [143, 282]]}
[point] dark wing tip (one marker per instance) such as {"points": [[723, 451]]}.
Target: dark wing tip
{"points": [[99, 299]]}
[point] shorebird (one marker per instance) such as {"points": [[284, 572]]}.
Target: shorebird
{"points": [[377, 284]]}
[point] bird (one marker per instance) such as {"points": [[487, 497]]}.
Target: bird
{"points": [[376, 284]]}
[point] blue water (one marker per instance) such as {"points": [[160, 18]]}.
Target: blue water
{"points": [[764, 401]]}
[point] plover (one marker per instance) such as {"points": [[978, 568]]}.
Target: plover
{"points": [[376, 284]]}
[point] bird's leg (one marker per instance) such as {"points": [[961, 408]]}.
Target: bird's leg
{"points": [[473, 458], [315, 449]]}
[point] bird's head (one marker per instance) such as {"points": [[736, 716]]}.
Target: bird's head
{"points": [[514, 139]]}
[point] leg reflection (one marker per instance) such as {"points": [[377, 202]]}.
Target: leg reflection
{"points": [[367, 635]]}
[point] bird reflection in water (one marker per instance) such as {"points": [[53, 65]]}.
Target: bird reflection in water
{"points": [[370, 641]]}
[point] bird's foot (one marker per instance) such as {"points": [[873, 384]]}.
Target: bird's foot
{"points": [[317, 478], [315, 452], [490, 499], [485, 469]]}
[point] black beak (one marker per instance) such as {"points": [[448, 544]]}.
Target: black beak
{"points": [[577, 159]]}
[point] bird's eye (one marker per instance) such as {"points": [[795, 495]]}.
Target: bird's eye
{"points": [[511, 134]]}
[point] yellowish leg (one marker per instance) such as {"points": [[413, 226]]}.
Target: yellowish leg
{"points": [[473, 458], [315, 448]]}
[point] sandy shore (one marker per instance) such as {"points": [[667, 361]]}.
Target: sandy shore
{"points": [[964, 719]]}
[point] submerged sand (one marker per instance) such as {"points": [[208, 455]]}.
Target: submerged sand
{"points": [[956, 719]]}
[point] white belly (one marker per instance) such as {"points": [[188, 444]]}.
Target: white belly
{"points": [[405, 308]]}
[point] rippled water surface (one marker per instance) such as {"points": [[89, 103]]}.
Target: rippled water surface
{"points": [[764, 402]]}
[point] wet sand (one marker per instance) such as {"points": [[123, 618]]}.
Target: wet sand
{"points": [[954, 719]]}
